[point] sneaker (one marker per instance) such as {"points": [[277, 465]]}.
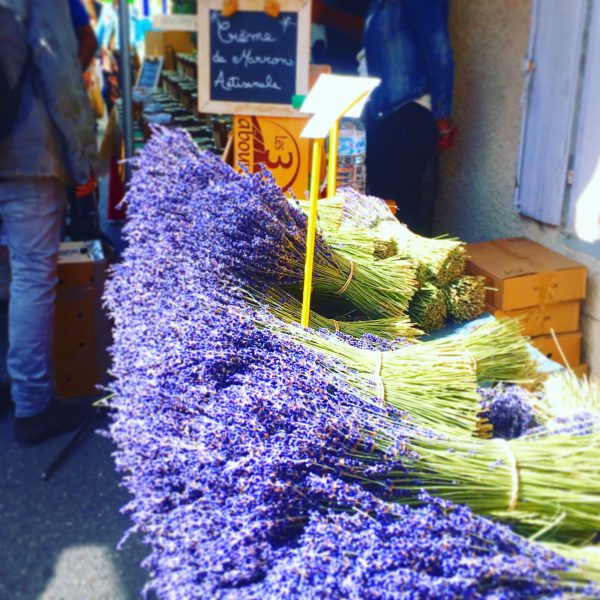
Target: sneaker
{"points": [[56, 419]]}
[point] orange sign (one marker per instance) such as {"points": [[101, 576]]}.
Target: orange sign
{"points": [[276, 143]]}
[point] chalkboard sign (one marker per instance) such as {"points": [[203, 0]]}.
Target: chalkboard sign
{"points": [[251, 63], [149, 73]]}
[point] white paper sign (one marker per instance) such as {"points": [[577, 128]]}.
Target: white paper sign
{"points": [[175, 22]]}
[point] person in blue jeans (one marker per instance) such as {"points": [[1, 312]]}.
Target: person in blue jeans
{"points": [[51, 143], [407, 45]]}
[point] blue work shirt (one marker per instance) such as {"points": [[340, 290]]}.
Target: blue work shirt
{"points": [[407, 45]]}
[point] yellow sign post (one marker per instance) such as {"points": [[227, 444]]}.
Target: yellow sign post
{"points": [[331, 98]]}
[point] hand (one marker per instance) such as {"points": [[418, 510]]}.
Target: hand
{"points": [[447, 133], [86, 188]]}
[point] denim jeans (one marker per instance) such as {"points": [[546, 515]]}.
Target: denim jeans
{"points": [[31, 211]]}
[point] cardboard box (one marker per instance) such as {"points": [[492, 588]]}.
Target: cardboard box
{"points": [[582, 370], [570, 345], [562, 317], [276, 143], [524, 273], [82, 264], [167, 44], [82, 330]]}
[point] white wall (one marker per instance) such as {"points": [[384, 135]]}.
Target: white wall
{"points": [[475, 202]]}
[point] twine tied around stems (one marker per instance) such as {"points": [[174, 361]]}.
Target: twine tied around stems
{"points": [[380, 388], [472, 360], [336, 325], [514, 471], [379, 363], [347, 284]]}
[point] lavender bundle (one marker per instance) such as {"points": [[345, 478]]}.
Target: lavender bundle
{"points": [[287, 308], [439, 260], [501, 353], [547, 484], [428, 308], [465, 297], [507, 412], [256, 234], [436, 551], [435, 382]]}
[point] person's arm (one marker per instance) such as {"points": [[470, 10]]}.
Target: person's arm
{"points": [[429, 21], [54, 54], [351, 25], [88, 45]]}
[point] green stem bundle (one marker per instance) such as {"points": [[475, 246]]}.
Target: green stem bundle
{"points": [[435, 382], [439, 260], [376, 293], [465, 297], [428, 308], [287, 308], [530, 482]]}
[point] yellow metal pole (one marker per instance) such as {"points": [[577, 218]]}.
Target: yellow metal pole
{"points": [[315, 176], [332, 161]]}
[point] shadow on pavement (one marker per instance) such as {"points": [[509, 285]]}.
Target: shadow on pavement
{"points": [[59, 537]]}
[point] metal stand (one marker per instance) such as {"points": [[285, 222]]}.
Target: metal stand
{"points": [[126, 85]]}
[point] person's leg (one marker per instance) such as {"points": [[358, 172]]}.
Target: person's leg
{"points": [[399, 148], [32, 212]]}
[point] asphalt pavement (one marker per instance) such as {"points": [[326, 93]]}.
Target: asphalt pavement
{"points": [[58, 538]]}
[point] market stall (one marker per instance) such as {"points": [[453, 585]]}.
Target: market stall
{"points": [[362, 454], [292, 434]]}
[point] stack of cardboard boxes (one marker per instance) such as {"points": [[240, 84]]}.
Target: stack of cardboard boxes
{"points": [[82, 330], [542, 288]]}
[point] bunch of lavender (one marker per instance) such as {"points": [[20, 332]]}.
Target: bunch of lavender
{"points": [[435, 381], [428, 308], [439, 260], [245, 224], [465, 297], [547, 483], [506, 411], [287, 307], [373, 549]]}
